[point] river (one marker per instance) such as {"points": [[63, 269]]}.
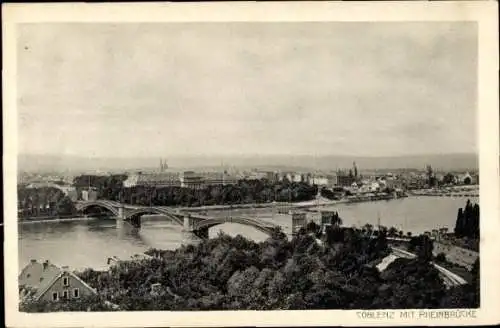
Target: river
{"points": [[88, 243]]}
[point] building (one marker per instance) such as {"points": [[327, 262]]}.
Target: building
{"points": [[44, 281], [345, 180], [190, 179], [160, 179], [256, 175], [299, 220], [394, 183], [218, 179], [89, 195], [131, 181], [466, 179], [319, 180], [297, 177], [153, 179], [73, 195], [328, 180]]}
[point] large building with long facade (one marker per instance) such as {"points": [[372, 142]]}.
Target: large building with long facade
{"points": [[186, 179], [157, 179]]}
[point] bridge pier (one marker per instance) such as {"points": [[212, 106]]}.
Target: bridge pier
{"points": [[189, 235], [190, 238], [188, 223], [121, 213]]}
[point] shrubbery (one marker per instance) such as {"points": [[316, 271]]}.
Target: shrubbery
{"points": [[232, 273], [44, 201]]}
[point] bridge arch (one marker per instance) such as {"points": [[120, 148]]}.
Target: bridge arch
{"points": [[100, 204], [206, 224], [134, 216]]}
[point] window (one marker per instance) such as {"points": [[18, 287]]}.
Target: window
{"points": [[76, 293], [65, 281], [65, 294], [55, 296]]}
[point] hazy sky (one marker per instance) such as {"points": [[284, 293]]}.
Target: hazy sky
{"points": [[240, 88]]}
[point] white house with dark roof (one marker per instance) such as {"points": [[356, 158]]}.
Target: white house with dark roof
{"points": [[44, 281]]}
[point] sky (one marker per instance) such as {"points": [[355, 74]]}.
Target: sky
{"points": [[176, 89]]}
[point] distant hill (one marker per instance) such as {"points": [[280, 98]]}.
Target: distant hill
{"points": [[442, 162]]}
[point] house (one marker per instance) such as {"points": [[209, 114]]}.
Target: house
{"points": [[44, 281], [319, 180]]}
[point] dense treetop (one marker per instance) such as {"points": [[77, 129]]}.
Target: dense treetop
{"points": [[336, 271]]}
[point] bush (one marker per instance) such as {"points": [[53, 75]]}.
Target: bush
{"points": [[441, 258], [233, 273]]}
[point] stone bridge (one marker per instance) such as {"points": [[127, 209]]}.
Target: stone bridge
{"points": [[196, 224]]}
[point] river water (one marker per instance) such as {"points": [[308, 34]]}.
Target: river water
{"points": [[82, 244]]}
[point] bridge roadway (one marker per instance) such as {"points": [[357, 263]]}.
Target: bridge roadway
{"points": [[450, 279], [194, 223]]}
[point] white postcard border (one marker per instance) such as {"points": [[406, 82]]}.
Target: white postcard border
{"points": [[484, 12]]}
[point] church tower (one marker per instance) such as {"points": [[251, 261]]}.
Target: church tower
{"points": [[163, 165]]}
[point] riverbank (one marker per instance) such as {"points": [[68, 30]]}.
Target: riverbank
{"points": [[299, 205], [462, 191], [47, 220]]}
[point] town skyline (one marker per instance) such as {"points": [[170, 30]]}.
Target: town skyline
{"points": [[147, 90], [447, 162]]}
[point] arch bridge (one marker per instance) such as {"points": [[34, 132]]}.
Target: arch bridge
{"points": [[196, 224]]}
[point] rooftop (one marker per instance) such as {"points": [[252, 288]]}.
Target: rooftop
{"points": [[40, 276]]}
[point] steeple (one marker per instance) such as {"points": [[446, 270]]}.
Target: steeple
{"points": [[163, 165]]}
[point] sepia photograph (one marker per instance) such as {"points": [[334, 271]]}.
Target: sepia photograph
{"points": [[249, 165]]}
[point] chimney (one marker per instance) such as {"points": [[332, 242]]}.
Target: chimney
{"points": [[45, 265]]}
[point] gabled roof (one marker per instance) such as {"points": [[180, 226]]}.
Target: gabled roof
{"points": [[35, 276], [41, 276]]}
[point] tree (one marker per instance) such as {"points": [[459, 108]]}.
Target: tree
{"points": [[392, 232], [369, 228], [441, 257], [449, 178], [422, 245], [430, 176], [460, 223], [336, 220], [234, 273], [467, 223], [312, 227]]}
